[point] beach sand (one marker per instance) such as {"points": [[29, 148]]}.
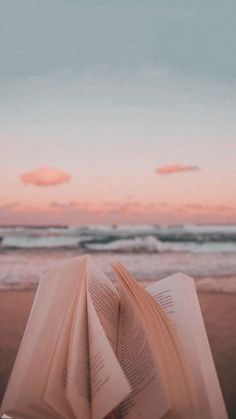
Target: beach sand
{"points": [[219, 312]]}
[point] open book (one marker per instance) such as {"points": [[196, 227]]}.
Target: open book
{"points": [[93, 351]]}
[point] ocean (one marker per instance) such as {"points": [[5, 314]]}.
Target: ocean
{"points": [[150, 252]]}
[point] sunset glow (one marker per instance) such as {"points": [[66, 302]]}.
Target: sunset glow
{"points": [[116, 123]]}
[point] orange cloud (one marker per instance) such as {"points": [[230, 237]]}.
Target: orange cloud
{"points": [[175, 168], [45, 176]]}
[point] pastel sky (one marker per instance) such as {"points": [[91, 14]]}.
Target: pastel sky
{"points": [[117, 111]]}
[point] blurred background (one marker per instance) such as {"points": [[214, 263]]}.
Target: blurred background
{"points": [[118, 137]]}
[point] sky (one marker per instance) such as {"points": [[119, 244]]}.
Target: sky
{"points": [[117, 112]]}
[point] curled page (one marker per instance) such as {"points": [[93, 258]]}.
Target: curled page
{"points": [[177, 295], [95, 381], [174, 389], [149, 397], [78, 366], [109, 385], [56, 292], [54, 394], [105, 299]]}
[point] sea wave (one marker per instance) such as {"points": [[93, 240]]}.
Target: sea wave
{"points": [[35, 242], [122, 238], [148, 244], [138, 244], [151, 244]]}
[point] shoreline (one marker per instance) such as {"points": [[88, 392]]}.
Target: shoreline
{"points": [[218, 310], [205, 284]]}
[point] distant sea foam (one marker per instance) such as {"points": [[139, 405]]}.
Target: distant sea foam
{"points": [[206, 252]]}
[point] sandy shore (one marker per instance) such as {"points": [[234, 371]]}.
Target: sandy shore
{"points": [[219, 312]]}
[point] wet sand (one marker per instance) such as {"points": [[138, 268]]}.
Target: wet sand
{"points": [[219, 312]]}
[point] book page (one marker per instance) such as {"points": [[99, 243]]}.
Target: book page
{"points": [[178, 297], [77, 378], [171, 388], [24, 394], [109, 385], [94, 376], [55, 391], [66, 366], [149, 398], [105, 299]]}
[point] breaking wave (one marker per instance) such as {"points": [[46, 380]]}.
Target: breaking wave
{"points": [[123, 238]]}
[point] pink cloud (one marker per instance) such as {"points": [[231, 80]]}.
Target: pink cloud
{"points": [[45, 176], [175, 168], [64, 205]]}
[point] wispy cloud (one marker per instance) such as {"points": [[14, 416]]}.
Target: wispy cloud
{"points": [[175, 168], [64, 205], [209, 208], [45, 176], [9, 206]]}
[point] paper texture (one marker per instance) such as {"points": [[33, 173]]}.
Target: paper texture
{"points": [[92, 352]]}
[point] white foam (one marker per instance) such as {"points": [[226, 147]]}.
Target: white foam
{"points": [[152, 244], [137, 244], [208, 247], [20, 270]]}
